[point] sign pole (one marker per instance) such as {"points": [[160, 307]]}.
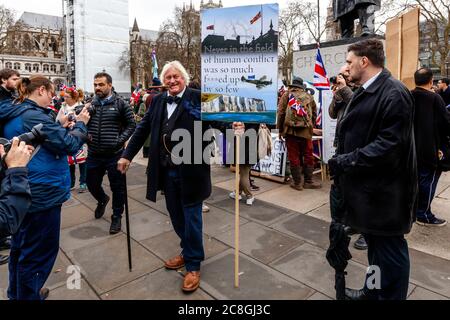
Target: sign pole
{"points": [[236, 226], [400, 47]]}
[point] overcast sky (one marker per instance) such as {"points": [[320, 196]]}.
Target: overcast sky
{"points": [[149, 14]]}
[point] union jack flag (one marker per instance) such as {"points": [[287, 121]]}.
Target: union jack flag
{"points": [[296, 105], [321, 82], [136, 94]]}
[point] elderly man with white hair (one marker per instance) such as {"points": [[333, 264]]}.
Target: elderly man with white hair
{"points": [[185, 185]]}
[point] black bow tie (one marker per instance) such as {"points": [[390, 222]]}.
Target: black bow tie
{"points": [[171, 100]]}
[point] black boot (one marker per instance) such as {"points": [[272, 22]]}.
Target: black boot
{"points": [[116, 225], [3, 259], [361, 243], [309, 182], [297, 182], [356, 295], [5, 244], [101, 207]]}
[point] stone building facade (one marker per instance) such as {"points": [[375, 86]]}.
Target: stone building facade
{"points": [[36, 46]]}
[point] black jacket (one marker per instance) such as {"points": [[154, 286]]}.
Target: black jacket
{"points": [[377, 154], [446, 96], [111, 125], [431, 126], [337, 107], [5, 94], [15, 200], [195, 178]]}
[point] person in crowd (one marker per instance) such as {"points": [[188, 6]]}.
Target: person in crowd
{"points": [[342, 95], [431, 128], [377, 169], [9, 79], [444, 90], [297, 113], [73, 99], [111, 126], [185, 185], [247, 160], [35, 246], [15, 195]]}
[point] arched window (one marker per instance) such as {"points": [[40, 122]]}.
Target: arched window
{"points": [[62, 69], [8, 65], [28, 67], [53, 68], [17, 66], [46, 68], [36, 67]]}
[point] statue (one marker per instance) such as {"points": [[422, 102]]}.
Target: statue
{"points": [[346, 11]]}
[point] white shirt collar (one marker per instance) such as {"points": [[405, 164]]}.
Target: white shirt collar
{"points": [[371, 80], [180, 94]]}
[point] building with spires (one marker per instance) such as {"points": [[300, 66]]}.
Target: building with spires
{"points": [[35, 44], [142, 42], [210, 4]]}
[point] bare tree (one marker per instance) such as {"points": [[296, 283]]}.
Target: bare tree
{"points": [[179, 39], [6, 23], [289, 34], [298, 24], [436, 14], [435, 25]]}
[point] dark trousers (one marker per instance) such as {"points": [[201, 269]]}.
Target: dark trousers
{"points": [[83, 173], [300, 151], [187, 221], [428, 180], [34, 249], [96, 169], [391, 255]]}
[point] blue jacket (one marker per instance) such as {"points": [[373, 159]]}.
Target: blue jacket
{"points": [[15, 200], [48, 170]]}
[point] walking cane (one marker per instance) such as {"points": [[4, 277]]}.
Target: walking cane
{"points": [[127, 217]]}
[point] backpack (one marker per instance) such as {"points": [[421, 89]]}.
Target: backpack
{"points": [[299, 110]]}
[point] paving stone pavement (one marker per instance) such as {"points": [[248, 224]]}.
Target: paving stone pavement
{"points": [[283, 240]]}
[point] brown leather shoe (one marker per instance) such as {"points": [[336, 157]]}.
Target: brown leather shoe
{"points": [[44, 293], [175, 263], [191, 281]]}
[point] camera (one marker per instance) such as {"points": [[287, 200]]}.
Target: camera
{"points": [[333, 80], [78, 110], [32, 138]]}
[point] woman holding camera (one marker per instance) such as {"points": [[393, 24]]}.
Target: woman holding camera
{"points": [[72, 101], [35, 246]]}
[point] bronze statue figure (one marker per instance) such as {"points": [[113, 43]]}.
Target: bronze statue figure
{"points": [[346, 11]]}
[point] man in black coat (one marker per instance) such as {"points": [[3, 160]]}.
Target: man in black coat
{"points": [[431, 127], [185, 184], [377, 170], [444, 90], [112, 124]]}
